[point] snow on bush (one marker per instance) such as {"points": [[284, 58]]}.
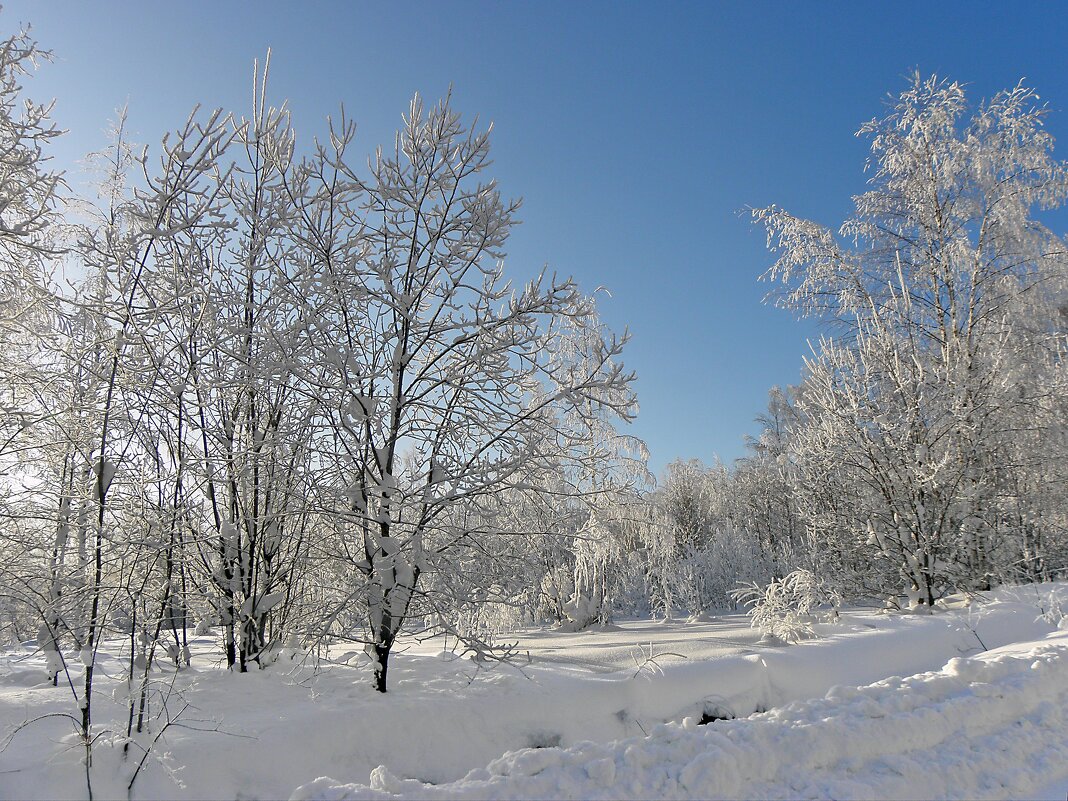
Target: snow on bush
{"points": [[785, 609]]}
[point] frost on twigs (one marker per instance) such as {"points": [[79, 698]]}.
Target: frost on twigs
{"points": [[786, 610], [647, 661]]}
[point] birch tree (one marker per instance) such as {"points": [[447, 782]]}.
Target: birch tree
{"points": [[928, 283]]}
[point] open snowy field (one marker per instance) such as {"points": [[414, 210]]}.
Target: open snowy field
{"points": [[990, 726], [607, 713]]}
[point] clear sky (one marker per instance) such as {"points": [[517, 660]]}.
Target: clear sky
{"points": [[637, 133]]}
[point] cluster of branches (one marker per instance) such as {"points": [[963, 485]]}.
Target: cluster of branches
{"points": [[256, 389], [925, 446], [924, 451]]}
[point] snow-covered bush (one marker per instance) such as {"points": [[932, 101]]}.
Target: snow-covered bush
{"points": [[1052, 611], [785, 609]]}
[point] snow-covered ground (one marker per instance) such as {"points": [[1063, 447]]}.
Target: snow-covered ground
{"points": [[991, 726], [600, 714]]}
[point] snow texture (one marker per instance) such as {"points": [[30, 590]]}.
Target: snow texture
{"points": [[989, 726], [264, 733]]}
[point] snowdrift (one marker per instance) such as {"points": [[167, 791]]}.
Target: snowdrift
{"points": [[989, 726], [260, 735]]}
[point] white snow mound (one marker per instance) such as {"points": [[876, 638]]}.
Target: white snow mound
{"points": [[990, 726]]}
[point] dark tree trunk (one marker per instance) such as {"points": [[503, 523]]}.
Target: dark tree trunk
{"points": [[381, 666]]}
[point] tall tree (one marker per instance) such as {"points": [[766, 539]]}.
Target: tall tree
{"points": [[929, 281], [437, 358]]}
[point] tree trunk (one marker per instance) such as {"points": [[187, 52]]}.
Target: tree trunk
{"points": [[381, 665]]}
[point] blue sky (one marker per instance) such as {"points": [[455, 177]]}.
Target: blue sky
{"points": [[637, 133]]}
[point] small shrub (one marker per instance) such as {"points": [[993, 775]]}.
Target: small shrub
{"points": [[785, 609]]}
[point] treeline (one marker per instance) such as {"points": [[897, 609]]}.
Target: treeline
{"points": [[924, 450]]}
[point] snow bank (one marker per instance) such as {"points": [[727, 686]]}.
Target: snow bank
{"points": [[863, 649], [261, 734], [990, 726]]}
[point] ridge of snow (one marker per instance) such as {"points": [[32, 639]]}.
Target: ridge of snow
{"points": [[989, 726]]}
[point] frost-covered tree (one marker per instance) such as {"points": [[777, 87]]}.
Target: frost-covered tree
{"points": [[247, 361], [119, 379], [448, 385], [908, 414], [29, 195], [604, 472], [704, 549], [762, 483]]}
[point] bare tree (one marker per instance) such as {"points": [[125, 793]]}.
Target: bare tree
{"points": [[447, 385], [906, 415]]}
